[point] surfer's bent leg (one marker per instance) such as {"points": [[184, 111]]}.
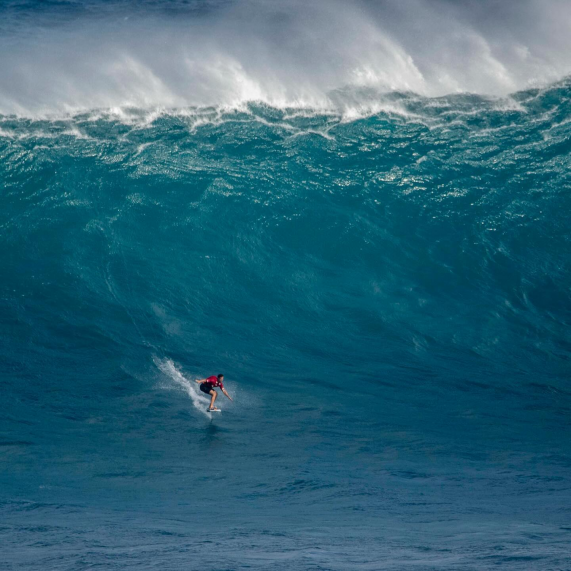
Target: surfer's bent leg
{"points": [[214, 395]]}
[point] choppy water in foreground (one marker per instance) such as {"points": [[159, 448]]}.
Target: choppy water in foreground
{"points": [[387, 294]]}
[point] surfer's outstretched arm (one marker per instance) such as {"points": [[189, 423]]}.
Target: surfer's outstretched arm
{"points": [[224, 391], [199, 380]]}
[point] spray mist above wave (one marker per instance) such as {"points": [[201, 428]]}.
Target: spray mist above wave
{"points": [[286, 54]]}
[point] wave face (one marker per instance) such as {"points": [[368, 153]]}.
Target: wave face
{"points": [[384, 279]]}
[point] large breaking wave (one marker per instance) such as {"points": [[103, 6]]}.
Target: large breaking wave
{"points": [[292, 195]]}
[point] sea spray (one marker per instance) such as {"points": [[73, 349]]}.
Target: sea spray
{"points": [[177, 54], [187, 385]]}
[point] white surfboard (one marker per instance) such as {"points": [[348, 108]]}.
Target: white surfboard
{"points": [[215, 410]]}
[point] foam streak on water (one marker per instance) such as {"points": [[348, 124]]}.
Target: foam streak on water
{"points": [[170, 370]]}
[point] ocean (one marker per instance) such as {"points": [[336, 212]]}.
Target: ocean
{"points": [[374, 251]]}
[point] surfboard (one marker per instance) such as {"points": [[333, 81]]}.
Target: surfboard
{"points": [[215, 410]]}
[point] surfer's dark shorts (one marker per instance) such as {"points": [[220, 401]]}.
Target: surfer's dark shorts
{"points": [[206, 388]]}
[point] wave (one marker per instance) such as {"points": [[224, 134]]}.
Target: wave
{"points": [[286, 55], [382, 275], [240, 221]]}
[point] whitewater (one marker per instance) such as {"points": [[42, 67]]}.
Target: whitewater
{"points": [[357, 212]]}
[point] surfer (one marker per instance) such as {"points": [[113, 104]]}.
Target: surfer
{"points": [[207, 387]]}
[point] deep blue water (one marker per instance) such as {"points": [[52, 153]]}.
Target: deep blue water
{"points": [[386, 288]]}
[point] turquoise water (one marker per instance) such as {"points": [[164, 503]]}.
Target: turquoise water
{"points": [[385, 287]]}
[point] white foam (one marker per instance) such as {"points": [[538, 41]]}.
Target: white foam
{"points": [[189, 386], [291, 54]]}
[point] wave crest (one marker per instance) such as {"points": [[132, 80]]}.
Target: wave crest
{"points": [[290, 54]]}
